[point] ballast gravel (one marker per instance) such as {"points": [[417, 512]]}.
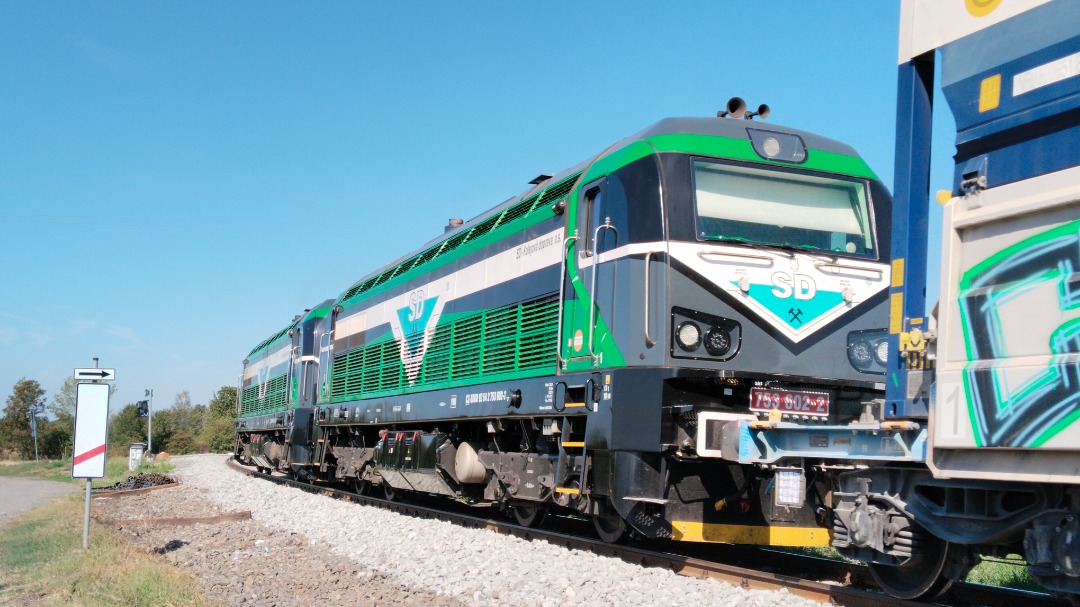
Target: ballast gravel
{"points": [[380, 557]]}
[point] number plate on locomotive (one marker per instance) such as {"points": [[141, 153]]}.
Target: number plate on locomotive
{"points": [[795, 402]]}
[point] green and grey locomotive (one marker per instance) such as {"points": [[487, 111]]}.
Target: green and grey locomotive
{"points": [[617, 342]]}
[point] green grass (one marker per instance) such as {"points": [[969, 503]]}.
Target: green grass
{"points": [[42, 563], [116, 469], [1010, 572]]}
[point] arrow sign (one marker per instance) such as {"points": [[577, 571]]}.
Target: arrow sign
{"points": [[96, 374]]}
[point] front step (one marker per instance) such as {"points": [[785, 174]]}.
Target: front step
{"points": [[571, 467]]}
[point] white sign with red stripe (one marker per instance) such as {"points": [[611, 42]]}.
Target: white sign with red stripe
{"points": [[91, 429]]}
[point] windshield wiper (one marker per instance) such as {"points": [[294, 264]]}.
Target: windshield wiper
{"points": [[811, 251], [783, 248], [751, 244]]}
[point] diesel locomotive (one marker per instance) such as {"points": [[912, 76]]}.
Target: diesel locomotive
{"points": [[622, 341]]}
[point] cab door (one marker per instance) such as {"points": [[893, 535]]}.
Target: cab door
{"points": [[590, 311], [614, 293]]}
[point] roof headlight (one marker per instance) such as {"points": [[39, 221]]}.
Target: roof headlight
{"points": [[771, 146]]}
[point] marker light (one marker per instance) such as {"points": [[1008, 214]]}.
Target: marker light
{"points": [[688, 335], [717, 341], [859, 353]]}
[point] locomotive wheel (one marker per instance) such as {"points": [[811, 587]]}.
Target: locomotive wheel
{"points": [[528, 514], [921, 577], [610, 526]]}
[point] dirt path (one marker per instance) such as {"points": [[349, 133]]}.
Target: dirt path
{"points": [[22, 494]]}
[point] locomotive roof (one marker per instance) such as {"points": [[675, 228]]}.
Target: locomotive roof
{"points": [[318, 311], [721, 127]]}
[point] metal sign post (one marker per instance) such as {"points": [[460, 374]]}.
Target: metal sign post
{"points": [[91, 433]]}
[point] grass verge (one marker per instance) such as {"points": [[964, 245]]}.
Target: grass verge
{"points": [[43, 564], [116, 469], [1008, 572]]}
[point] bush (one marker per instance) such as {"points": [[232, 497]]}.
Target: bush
{"points": [[55, 441], [180, 443], [218, 433]]}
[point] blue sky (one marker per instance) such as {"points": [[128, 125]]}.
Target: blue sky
{"points": [[177, 180]]}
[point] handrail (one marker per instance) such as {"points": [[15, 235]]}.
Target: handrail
{"points": [[562, 288], [841, 266], [703, 254], [592, 292], [648, 296]]}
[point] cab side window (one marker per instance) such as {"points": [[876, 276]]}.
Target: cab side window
{"points": [[605, 208]]}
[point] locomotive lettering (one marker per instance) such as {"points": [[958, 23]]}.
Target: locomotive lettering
{"points": [[799, 285]]}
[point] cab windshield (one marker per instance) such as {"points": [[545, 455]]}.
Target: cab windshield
{"points": [[783, 208]]}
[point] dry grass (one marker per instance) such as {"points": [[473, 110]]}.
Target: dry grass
{"points": [[116, 469], [42, 563]]}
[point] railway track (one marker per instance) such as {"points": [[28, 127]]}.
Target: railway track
{"points": [[818, 579]]}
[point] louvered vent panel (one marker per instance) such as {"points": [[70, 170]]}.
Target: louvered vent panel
{"points": [[500, 332], [504, 340], [467, 336], [518, 210], [437, 358], [339, 376], [556, 191], [536, 346], [248, 400], [454, 242], [427, 255], [483, 228], [370, 375], [390, 376]]}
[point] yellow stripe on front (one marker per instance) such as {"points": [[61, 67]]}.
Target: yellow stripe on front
{"points": [[574, 405], [568, 490], [687, 531], [573, 444]]}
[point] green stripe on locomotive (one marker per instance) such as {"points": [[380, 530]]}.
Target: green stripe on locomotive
{"points": [[511, 220]]}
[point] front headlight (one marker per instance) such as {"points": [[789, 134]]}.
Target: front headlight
{"points": [[689, 336], [881, 351], [868, 351]]}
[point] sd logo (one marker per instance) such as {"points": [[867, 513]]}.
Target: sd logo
{"points": [[800, 285]]}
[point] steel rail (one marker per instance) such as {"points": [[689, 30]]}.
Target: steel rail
{"points": [[848, 584]]}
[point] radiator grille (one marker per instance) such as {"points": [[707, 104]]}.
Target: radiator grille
{"points": [[274, 397], [469, 349]]}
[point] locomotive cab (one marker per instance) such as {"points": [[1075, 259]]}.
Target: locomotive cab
{"points": [[729, 282]]}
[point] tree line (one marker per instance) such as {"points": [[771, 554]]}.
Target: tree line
{"points": [[182, 428]]}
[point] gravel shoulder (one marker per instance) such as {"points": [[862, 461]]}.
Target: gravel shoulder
{"points": [[300, 549], [22, 494]]}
